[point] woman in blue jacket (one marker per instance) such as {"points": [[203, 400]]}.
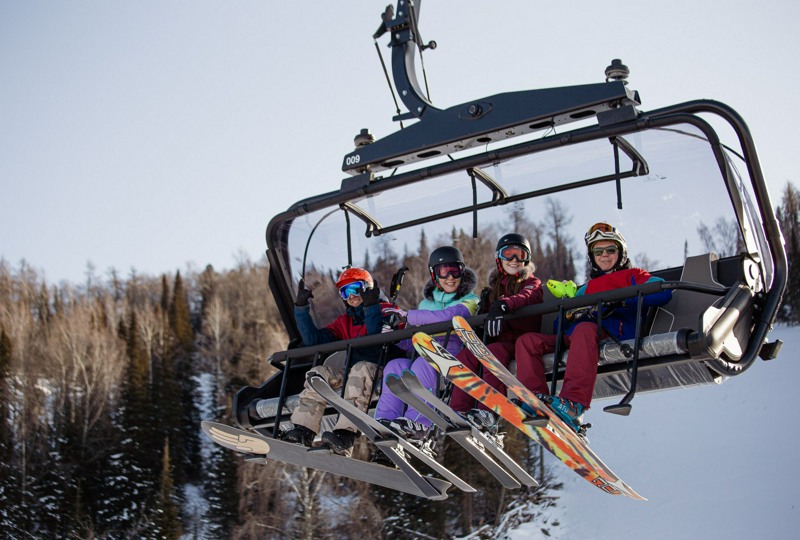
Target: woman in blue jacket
{"points": [[448, 293]]}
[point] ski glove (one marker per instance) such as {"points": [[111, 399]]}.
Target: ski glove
{"points": [[484, 303], [395, 314], [372, 296], [394, 317], [303, 294], [494, 321]]}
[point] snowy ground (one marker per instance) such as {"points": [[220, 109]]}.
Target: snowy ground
{"points": [[714, 462]]}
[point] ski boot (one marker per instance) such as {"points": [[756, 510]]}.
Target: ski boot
{"points": [[300, 435], [571, 413], [487, 423], [340, 441], [535, 419], [413, 431], [380, 458]]}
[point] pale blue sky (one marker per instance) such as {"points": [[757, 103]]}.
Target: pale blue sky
{"points": [[152, 135]]}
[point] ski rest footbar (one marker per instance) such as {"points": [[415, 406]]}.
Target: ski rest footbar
{"points": [[557, 438], [261, 449], [461, 434], [391, 443]]}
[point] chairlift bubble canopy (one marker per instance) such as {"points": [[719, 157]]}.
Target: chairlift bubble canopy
{"points": [[695, 210]]}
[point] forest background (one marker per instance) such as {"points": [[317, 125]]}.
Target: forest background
{"points": [[103, 385]]}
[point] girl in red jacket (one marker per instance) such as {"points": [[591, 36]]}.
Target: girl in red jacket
{"points": [[512, 285]]}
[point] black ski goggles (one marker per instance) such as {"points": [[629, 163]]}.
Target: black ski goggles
{"points": [[449, 269]]}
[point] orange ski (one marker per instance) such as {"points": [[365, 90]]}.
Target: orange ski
{"points": [[556, 437]]}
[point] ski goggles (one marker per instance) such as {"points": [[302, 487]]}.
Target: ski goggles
{"points": [[449, 269], [514, 251], [352, 289], [610, 250], [600, 231]]}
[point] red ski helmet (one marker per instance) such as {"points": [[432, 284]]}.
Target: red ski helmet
{"points": [[351, 275]]}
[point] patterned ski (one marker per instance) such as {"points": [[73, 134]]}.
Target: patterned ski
{"points": [[557, 437], [465, 379], [462, 435], [391, 443], [260, 449], [413, 384]]}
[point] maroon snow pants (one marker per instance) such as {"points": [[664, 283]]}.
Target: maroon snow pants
{"points": [[581, 371], [504, 351]]}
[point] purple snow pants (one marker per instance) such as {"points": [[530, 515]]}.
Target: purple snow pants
{"points": [[390, 406]]}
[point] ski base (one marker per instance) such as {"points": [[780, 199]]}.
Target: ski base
{"points": [[260, 449]]}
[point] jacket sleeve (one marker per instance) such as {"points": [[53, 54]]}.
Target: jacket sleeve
{"points": [[467, 307], [653, 299], [373, 318], [531, 293], [308, 330]]}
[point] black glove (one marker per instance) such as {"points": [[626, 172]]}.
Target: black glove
{"points": [[494, 321], [372, 296], [303, 294], [484, 304]]}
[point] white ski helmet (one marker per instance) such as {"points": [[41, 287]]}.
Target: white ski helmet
{"points": [[604, 231]]}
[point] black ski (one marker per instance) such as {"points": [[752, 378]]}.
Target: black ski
{"points": [[462, 435], [395, 446], [261, 449], [461, 429]]}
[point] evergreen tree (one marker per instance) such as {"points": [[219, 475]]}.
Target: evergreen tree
{"points": [[221, 491], [167, 524], [180, 382], [132, 473], [9, 481], [179, 316]]}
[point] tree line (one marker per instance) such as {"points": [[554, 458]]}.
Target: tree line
{"points": [[103, 385]]}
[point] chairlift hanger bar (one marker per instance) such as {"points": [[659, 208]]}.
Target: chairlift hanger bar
{"points": [[373, 226], [502, 116], [498, 193]]}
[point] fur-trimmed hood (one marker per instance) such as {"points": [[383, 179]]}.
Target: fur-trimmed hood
{"points": [[469, 280]]}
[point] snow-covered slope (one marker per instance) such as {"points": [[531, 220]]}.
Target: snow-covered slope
{"points": [[714, 462]]}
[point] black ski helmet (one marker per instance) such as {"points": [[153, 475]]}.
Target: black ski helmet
{"points": [[444, 255], [513, 239], [510, 239]]}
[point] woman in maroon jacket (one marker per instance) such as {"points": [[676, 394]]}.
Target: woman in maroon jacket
{"points": [[512, 285]]}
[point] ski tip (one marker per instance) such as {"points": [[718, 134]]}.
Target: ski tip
{"points": [[458, 320], [420, 337], [234, 439]]}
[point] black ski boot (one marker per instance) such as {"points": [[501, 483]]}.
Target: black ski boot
{"points": [[299, 434], [382, 459], [341, 441]]}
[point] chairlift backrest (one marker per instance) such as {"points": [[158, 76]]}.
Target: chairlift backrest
{"points": [[686, 308]]}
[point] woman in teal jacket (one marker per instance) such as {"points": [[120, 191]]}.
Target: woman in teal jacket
{"points": [[448, 293]]}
